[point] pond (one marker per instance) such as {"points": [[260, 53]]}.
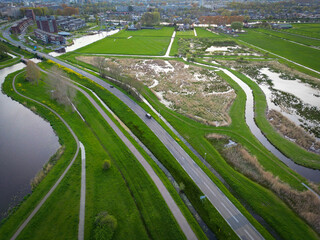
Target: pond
{"points": [[85, 40], [26, 144]]}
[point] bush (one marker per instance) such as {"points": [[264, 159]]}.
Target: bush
{"points": [[106, 164], [105, 226]]}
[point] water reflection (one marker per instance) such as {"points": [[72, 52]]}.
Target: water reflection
{"points": [[308, 173], [26, 144]]}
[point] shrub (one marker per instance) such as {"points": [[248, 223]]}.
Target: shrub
{"points": [[182, 187], [106, 164], [105, 225]]}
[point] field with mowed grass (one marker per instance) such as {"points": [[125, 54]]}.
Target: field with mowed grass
{"points": [[306, 29], [306, 56], [291, 37], [203, 33], [125, 190], [141, 42], [185, 34]]}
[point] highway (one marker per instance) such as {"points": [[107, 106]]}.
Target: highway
{"points": [[241, 226]]}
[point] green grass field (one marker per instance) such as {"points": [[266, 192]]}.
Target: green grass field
{"points": [[185, 34], [265, 203], [141, 42], [306, 56], [203, 33], [125, 191], [290, 37], [305, 29]]}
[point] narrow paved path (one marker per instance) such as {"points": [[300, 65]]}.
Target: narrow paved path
{"points": [[170, 45], [239, 223], [23, 225], [181, 220], [83, 194]]}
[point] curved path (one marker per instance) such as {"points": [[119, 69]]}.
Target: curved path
{"points": [[181, 220], [23, 225], [236, 220]]}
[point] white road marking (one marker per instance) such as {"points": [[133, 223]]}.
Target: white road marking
{"points": [[229, 212], [248, 234], [209, 189]]}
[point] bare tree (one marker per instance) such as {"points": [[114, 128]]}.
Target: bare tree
{"points": [[100, 62], [60, 90], [32, 72]]}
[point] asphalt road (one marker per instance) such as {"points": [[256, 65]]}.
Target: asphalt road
{"points": [[241, 226]]}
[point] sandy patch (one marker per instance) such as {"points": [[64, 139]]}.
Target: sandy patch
{"points": [[196, 92]]}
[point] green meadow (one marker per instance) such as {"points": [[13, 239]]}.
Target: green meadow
{"points": [[125, 190], [291, 37], [304, 55], [141, 42], [305, 29]]}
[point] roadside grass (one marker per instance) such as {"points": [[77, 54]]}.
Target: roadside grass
{"points": [[305, 29], [157, 217], [123, 198], [18, 50], [262, 200], [299, 39], [9, 62], [306, 56], [205, 209]]}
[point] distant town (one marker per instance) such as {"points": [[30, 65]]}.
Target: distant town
{"points": [[54, 23]]}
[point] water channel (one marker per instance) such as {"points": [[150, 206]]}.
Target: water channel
{"points": [[308, 173], [26, 143]]}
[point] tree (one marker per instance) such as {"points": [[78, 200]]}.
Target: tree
{"points": [[105, 225], [237, 25], [60, 91], [32, 72], [3, 50], [150, 19], [106, 164]]}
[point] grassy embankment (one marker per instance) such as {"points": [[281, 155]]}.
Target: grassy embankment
{"points": [[261, 200], [254, 194], [130, 197], [290, 149], [207, 212], [306, 56], [142, 42], [14, 50]]}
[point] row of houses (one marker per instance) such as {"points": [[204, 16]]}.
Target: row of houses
{"points": [[70, 23], [47, 37], [22, 25]]}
